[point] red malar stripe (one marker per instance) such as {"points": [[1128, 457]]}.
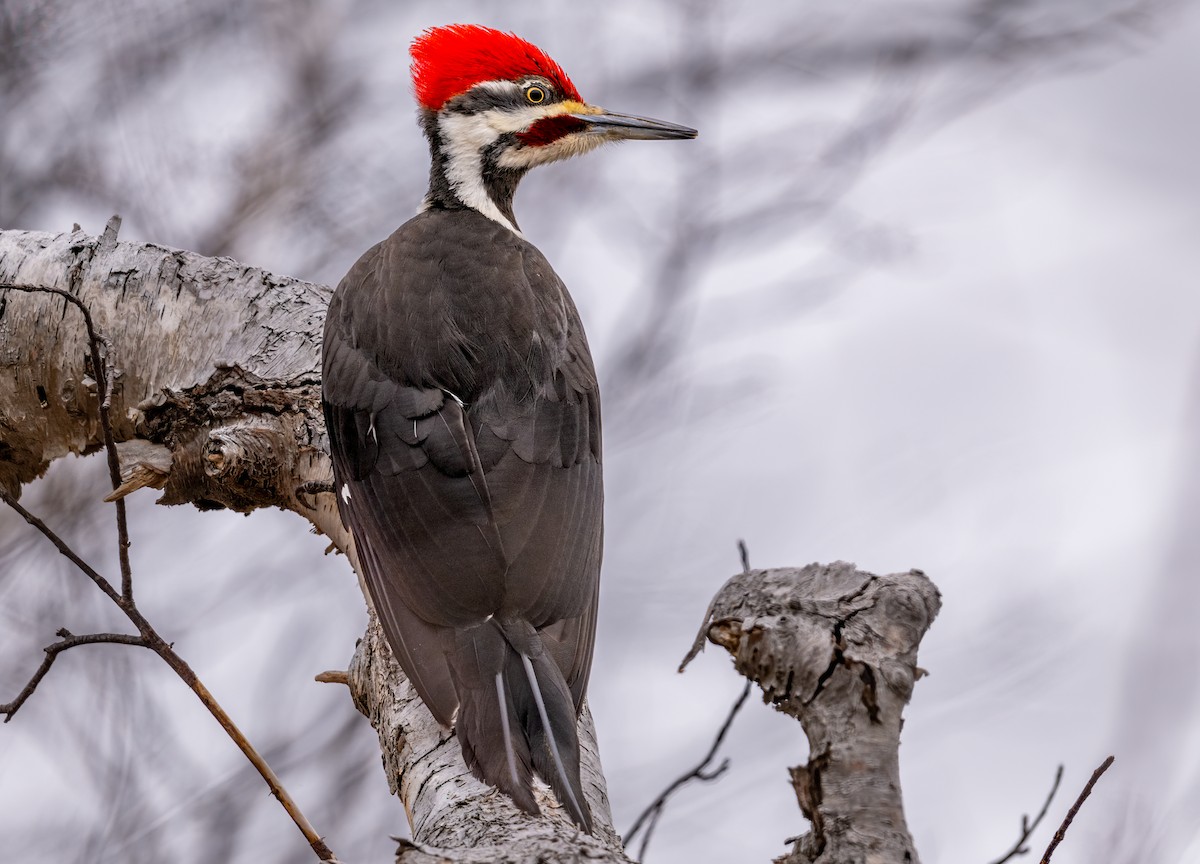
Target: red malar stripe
{"points": [[550, 129]]}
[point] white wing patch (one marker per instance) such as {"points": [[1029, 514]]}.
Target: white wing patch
{"points": [[346, 492]]}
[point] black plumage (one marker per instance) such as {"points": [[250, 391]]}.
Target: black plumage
{"points": [[464, 423]]}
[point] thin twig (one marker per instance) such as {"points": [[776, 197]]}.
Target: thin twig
{"points": [[61, 545], [655, 809], [1027, 827], [184, 671], [148, 637], [163, 649], [744, 554], [698, 644], [103, 374], [69, 640], [1083, 796]]}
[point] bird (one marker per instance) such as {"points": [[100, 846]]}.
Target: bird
{"points": [[463, 415]]}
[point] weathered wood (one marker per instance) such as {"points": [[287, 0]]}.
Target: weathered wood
{"points": [[835, 648], [201, 347], [449, 810], [216, 400]]}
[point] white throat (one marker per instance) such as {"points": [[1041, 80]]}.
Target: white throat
{"points": [[464, 138]]}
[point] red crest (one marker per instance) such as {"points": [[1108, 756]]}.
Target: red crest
{"points": [[450, 60]]}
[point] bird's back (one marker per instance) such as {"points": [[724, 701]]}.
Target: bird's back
{"points": [[464, 423]]}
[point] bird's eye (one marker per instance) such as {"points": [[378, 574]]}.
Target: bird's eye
{"points": [[535, 95]]}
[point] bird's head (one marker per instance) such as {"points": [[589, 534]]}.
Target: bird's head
{"points": [[494, 106]]}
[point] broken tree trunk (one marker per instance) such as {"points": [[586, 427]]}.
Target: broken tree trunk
{"points": [[835, 648]]}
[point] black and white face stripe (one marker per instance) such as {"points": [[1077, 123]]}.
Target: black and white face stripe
{"points": [[508, 96], [477, 148]]}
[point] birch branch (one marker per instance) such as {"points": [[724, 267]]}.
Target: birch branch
{"points": [[216, 400], [454, 817]]}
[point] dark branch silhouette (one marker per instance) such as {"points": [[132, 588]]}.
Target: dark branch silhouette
{"points": [[147, 636], [650, 816], [68, 640], [1083, 796], [1027, 827]]}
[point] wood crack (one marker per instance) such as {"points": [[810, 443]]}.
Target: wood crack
{"points": [[791, 631]]}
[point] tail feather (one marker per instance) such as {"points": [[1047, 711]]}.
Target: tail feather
{"points": [[486, 716], [554, 743], [506, 726], [516, 716]]}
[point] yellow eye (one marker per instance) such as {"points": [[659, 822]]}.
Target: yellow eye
{"points": [[535, 95]]}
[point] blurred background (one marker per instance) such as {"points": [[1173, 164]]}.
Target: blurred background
{"points": [[922, 294]]}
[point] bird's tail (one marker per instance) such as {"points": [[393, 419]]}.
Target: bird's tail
{"points": [[516, 715]]}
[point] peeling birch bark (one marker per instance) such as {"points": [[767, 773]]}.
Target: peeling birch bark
{"points": [[216, 401], [201, 347], [448, 809], [835, 648]]}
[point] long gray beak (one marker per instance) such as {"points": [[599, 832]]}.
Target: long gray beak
{"points": [[619, 127]]}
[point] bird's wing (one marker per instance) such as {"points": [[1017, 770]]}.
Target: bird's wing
{"points": [[542, 461], [463, 511], [405, 532]]}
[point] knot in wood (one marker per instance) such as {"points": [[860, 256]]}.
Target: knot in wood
{"points": [[836, 648], [246, 453], [788, 628]]}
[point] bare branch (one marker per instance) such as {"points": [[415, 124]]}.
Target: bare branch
{"points": [[1083, 796], [68, 640], [700, 772], [149, 637], [61, 545], [103, 371], [1027, 827], [184, 671]]}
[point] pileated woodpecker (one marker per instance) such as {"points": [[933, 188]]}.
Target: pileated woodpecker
{"points": [[464, 420]]}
